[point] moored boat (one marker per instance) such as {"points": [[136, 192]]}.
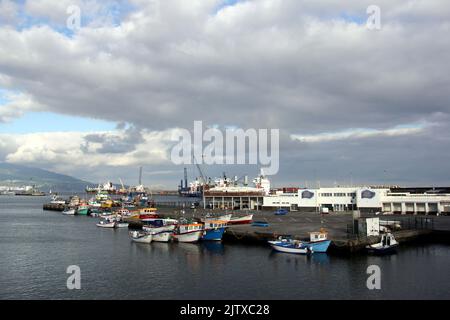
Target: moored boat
{"points": [[166, 228], [141, 237], [189, 232], [319, 242], [121, 224], [106, 224], [162, 236], [241, 220], [222, 217], [262, 224], [69, 212], [214, 230], [387, 245], [289, 246], [83, 210]]}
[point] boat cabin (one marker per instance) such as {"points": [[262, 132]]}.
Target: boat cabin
{"points": [[148, 210], [318, 236], [215, 224], [185, 228]]}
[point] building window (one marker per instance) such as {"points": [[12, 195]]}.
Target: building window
{"points": [[326, 194]]}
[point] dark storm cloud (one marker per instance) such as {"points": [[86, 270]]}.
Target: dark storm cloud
{"points": [[306, 67], [110, 143]]}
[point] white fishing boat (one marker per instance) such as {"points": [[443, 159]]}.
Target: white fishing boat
{"points": [[122, 224], [289, 246], [167, 228], [57, 200], [225, 217], [190, 232], [69, 212], [387, 245], [106, 224], [162, 236], [141, 237]]}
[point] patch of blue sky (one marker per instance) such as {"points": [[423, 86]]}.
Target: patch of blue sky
{"points": [[357, 19], [34, 122], [111, 13], [227, 3], [4, 95]]}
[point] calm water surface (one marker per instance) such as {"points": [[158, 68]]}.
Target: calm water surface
{"points": [[36, 247]]}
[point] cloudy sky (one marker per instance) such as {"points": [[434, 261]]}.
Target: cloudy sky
{"points": [[351, 103]]}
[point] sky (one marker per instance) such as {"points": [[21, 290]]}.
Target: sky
{"points": [[353, 104]]}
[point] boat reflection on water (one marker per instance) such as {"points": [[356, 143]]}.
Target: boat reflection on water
{"points": [[320, 258], [213, 247], [315, 258]]}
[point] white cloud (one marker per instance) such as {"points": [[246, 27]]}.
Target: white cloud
{"points": [[360, 133], [8, 12], [65, 149], [17, 104]]}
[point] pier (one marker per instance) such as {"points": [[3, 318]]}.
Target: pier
{"points": [[299, 225]]}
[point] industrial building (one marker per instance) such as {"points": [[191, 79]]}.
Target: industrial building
{"points": [[365, 199]]}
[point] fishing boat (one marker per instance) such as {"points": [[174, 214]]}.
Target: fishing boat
{"points": [[57, 200], [141, 237], [124, 212], [387, 245], [121, 224], [214, 230], [69, 212], [106, 224], [214, 217], [161, 233], [262, 224], [241, 220], [318, 241], [83, 210], [281, 212], [151, 228], [189, 232], [289, 246]]}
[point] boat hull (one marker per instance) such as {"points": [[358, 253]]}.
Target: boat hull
{"points": [[188, 237], [110, 225], [318, 247], [69, 213], [213, 234], [285, 248], [241, 220], [383, 250], [169, 228], [122, 225], [163, 236], [224, 218], [83, 212], [143, 239]]}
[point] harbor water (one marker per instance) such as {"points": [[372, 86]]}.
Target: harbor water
{"points": [[36, 247]]}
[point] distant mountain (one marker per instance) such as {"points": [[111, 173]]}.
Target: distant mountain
{"points": [[17, 175]]}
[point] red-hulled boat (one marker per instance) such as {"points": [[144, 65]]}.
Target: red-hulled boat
{"points": [[241, 220]]}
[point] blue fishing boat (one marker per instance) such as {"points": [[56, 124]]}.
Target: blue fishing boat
{"points": [[260, 224], [281, 212], [318, 243], [214, 230]]}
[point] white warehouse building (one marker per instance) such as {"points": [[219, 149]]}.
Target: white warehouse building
{"points": [[366, 199]]}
